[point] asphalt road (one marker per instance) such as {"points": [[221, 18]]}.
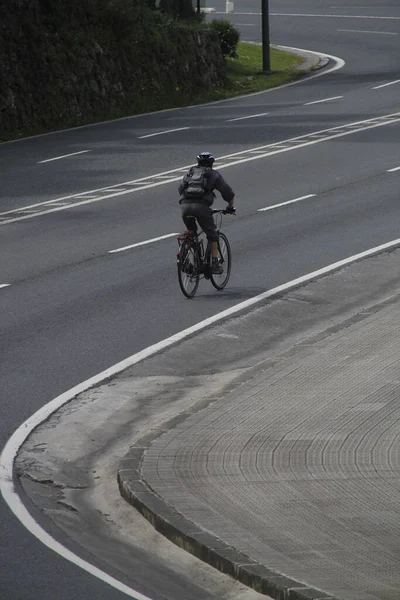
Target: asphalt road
{"points": [[73, 309]]}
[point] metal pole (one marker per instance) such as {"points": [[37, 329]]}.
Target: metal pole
{"points": [[265, 35]]}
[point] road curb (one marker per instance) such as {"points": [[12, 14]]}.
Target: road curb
{"points": [[200, 543], [192, 538], [312, 61]]}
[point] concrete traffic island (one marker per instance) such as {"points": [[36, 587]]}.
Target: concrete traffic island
{"points": [[288, 477]]}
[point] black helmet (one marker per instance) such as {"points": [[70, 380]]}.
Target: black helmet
{"points": [[205, 159]]}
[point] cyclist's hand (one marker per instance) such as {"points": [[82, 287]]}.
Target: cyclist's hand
{"points": [[231, 210]]}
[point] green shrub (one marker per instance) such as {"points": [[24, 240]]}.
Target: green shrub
{"points": [[229, 36]]}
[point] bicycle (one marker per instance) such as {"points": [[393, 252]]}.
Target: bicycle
{"points": [[194, 261]]}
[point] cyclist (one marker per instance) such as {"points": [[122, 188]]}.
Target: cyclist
{"points": [[197, 196]]}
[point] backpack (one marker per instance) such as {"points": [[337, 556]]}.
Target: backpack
{"points": [[196, 183]]}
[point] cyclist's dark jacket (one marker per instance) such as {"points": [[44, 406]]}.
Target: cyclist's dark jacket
{"points": [[215, 181]]}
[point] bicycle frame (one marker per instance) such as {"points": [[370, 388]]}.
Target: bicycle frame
{"points": [[198, 238], [198, 241], [191, 270]]}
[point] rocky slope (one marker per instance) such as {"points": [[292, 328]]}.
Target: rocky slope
{"points": [[68, 62]]}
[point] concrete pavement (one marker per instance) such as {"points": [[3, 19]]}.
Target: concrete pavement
{"points": [[288, 477]]}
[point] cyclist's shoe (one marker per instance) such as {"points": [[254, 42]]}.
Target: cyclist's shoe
{"points": [[216, 268]]}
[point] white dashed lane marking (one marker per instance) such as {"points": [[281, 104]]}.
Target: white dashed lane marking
{"points": [[378, 87], [142, 137], [365, 31], [4, 285], [156, 239], [393, 170], [286, 203], [324, 100], [63, 156], [247, 117]]}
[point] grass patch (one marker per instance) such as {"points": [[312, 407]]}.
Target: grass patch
{"points": [[245, 73]]}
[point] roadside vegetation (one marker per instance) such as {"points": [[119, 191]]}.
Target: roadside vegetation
{"points": [[68, 63], [245, 74]]}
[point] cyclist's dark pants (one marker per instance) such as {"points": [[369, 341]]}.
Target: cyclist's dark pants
{"points": [[203, 214]]}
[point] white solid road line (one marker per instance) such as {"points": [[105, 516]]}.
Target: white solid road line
{"points": [[4, 285], [247, 117], [272, 14], [364, 31], [230, 160], [378, 87], [63, 156], [327, 16], [14, 502], [156, 239], [324, 100], [13, 445], [286, 203], [142, 137], [393, 170]]}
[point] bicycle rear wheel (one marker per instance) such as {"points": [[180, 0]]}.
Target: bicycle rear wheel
{"points": [[225, 260], [188, 269]]}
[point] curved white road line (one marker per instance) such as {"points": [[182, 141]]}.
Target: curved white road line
{"points": [[339, 63], [11, 448]]}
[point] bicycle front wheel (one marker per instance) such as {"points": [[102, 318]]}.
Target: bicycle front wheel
{"points": [[225, 260], [188, 269]]}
